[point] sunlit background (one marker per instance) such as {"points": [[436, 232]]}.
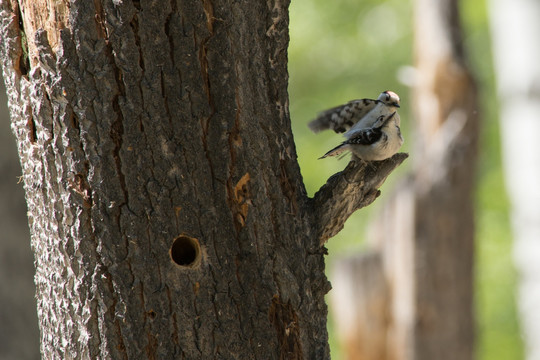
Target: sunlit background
{"points": [[349, 49]]}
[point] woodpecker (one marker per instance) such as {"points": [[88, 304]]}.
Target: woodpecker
{"points": [[376, 143], [356, 114]]}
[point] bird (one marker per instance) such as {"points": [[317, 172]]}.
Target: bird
{"points": [[356, 114], [376, 143]]}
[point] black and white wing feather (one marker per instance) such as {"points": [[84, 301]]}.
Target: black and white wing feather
{"points": [[362, 137], [342, 118]]}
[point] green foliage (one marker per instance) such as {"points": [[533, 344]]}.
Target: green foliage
{"points": [[346, 49]]}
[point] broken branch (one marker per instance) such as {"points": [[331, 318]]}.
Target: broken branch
{"points": [[349, 190]]}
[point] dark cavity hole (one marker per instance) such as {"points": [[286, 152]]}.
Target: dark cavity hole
{"points": [[186, 251]]}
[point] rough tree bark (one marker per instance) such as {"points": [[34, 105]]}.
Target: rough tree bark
{"points": [[167, 210], [515, 27], [425, 236]]}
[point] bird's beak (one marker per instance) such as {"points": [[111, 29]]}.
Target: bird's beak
{"points": [[396, 105]]}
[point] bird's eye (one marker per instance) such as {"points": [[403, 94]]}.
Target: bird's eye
{"points": [[387, 97]]}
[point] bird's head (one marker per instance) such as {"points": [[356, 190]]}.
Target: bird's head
{"points": [[389, 98]]}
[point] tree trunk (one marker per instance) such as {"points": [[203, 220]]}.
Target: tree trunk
{"points": [[515, 30], [167, 210], [425, 233], [360, 301]]}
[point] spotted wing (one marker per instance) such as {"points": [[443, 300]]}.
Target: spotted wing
{"points": [[371, 135], [365, 137], [362, 137], [342, 118]]}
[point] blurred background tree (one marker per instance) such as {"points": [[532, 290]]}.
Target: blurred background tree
{"points": [[350, 49], [516, 57]]}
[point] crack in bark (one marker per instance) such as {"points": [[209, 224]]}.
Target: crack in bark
{"points": [[22, 64], [32, 132], [112, 310], [203, 60], [100, 20], [234, 140], [209, 12], [174, 334], [117, 126], [167, 29], [116, 133], [289, 191], [135, 27], [285, 321]]}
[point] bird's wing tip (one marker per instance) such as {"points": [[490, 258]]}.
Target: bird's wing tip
{"points": [[315, 126]]}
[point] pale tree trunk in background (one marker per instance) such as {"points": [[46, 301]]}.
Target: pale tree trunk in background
{"points": [[360, 300], [425, 235], [515, 28], [19, 335], [167, 211]]}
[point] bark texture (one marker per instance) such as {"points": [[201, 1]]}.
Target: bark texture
{"points": [[426, 232], [166, 206]]}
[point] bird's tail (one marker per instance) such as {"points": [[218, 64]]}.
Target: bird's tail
{"points": [[336, 151]]}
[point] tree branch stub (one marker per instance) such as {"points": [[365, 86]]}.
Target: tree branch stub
{"points": [[349, 190]]}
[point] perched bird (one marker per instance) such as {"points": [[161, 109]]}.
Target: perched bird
{"points": [[376, 143], [356, 114]]}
